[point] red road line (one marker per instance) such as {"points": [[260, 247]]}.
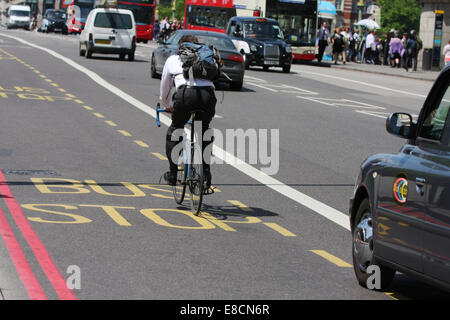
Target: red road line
{"points": [[23, 269], [39, 250]]}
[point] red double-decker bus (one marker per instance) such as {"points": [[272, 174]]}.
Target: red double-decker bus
{"points": [[77, 12], [208, 15], [144, 15]]}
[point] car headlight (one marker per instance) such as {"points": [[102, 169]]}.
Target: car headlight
{"points": [[288, 49], [253, 47]]}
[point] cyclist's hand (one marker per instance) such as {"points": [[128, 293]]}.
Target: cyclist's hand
{"points": [[169, 109]]}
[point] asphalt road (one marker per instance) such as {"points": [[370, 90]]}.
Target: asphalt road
{"points": [[81, 159]]}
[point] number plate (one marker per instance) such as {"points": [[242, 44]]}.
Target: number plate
{"points": [[271, 62], [100, 41]]}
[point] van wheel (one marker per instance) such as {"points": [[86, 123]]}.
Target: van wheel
{"points": [[122, 56], [131, 56], [287, 69], [82, 52], [362, 248], [265, 68]]}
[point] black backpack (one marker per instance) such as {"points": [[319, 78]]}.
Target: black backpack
{"points": [[199, 61]]}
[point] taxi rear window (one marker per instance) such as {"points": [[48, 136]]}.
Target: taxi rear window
{"points": [[113, 20]]}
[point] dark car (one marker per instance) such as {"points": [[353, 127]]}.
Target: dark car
{"points": [[54, 21], [400, 210], [264, 42], [233, 61]]}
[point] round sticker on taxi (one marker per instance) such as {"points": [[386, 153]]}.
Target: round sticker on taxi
{"points": [[400, 190]]}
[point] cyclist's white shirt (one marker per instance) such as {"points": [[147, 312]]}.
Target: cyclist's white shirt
{"points": [[173, 72]]}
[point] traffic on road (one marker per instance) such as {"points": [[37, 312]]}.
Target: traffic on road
{"points": [[310, 182]]}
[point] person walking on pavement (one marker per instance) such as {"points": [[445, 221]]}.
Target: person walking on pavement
{"points": [[447, 53], [385, 43], [411, 51], [346, 39], [323, 35], [338, 44], [371, 47], [156, 30], [395, 50]]}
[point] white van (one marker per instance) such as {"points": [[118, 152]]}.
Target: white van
{"points": [[18, 17], [110, 31]]}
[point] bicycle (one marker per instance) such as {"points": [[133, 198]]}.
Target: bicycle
{"points": [[190, 174]]}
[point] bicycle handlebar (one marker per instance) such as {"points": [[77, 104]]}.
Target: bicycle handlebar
{"points": [[158, 110]]}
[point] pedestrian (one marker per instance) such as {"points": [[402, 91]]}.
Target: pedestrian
{"points": [[338, 44], [156, 28], [395, 50], [346, 39], [371, 47], [447, 53], [403, 53], [385, 43], [187, 97], [323, 36], [355, 46], [412, 50]]}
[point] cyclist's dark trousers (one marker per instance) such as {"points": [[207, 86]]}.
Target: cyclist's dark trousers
{"points": [[185, 100]]}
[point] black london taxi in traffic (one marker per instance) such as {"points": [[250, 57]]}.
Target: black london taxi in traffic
{"points": [[400, 210], [262, 41]]}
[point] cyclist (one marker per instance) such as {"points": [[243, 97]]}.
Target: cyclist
{"points": [[186, 98]]}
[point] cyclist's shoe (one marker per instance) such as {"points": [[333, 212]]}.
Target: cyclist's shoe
{"points": [[207, 172], [171, 178]]}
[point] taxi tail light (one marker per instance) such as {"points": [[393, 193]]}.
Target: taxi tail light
{"points": [[236, 57], [73, 21]]}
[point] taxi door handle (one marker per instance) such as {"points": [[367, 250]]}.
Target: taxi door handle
{"points": [[420, 186]]}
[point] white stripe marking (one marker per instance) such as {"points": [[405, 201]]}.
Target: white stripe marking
{"points": [[364, 83], [311, 203]]}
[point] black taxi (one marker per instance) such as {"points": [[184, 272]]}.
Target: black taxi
{"points": [[400, 209], [262, 42]]}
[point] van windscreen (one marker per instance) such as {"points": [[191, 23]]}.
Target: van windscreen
{"points": [[113, 20], [19, 13]]}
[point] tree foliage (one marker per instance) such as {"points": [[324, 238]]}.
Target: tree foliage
{"points": [[401, 15], [165, 9]]}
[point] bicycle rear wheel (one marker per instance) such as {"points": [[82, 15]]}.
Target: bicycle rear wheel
{"points": [[196, 178], [179, 189]]}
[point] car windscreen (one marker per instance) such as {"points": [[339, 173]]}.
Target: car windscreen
{"points": [[19, 13], [220, 43], [262, 30], [56, 15], [113, 20]]}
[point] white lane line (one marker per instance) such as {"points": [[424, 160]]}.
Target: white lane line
{"points": [[322, 209], [362, 83]]}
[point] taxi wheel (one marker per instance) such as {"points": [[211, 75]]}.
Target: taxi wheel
{"points": [[362, 248], [265, 68], [236, 85], [122, 56], [287, 69], [131, 56]]}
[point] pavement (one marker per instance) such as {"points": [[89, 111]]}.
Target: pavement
{"points": [[387, 70]]}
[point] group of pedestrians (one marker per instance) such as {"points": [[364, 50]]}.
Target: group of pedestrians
{"points": [[394, 50], [164, 29]]}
